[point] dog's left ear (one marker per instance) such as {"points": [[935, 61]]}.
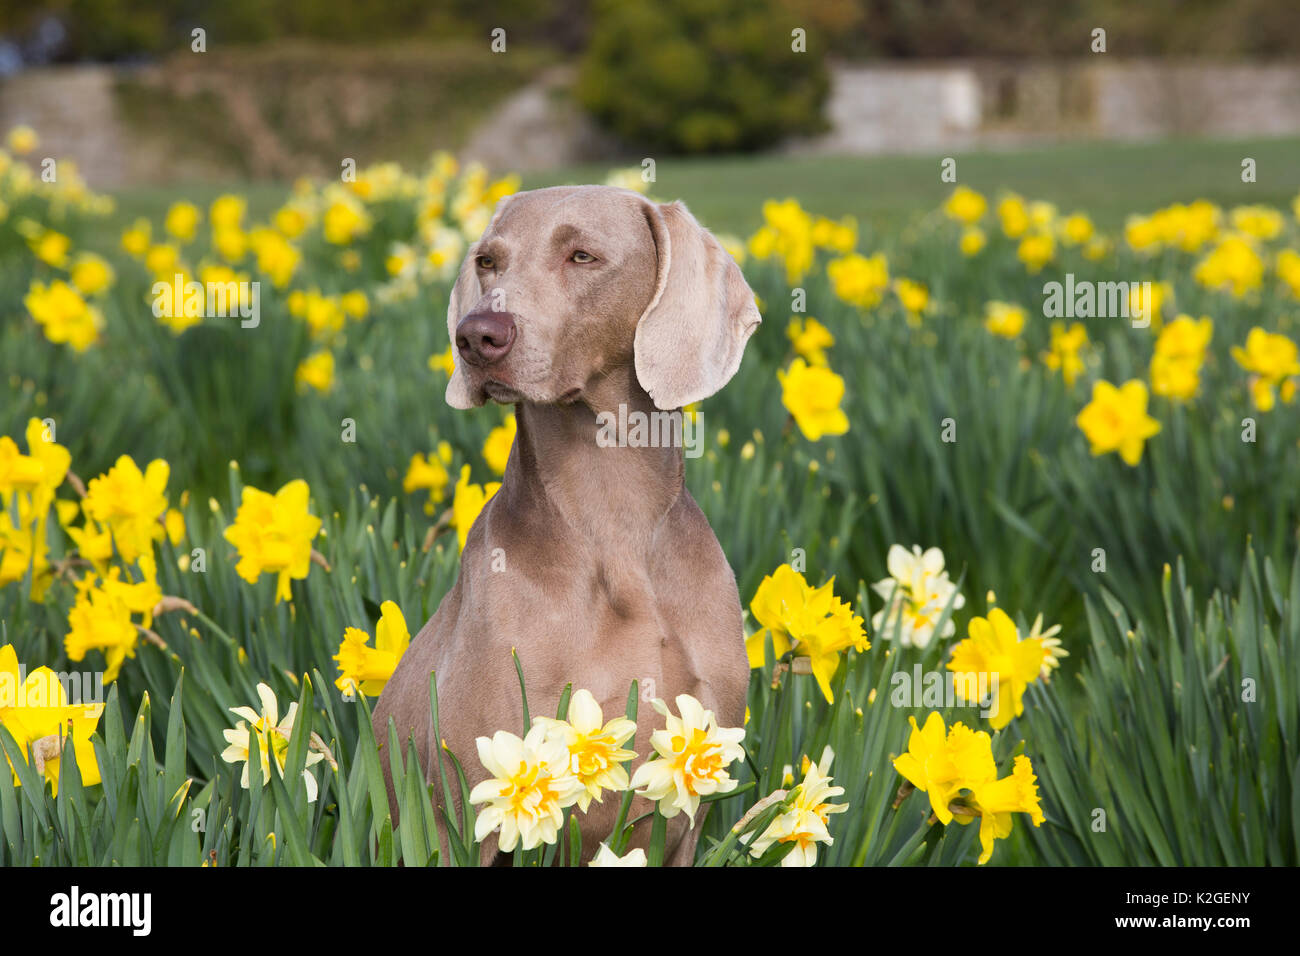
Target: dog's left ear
{"points": [[690, 340]]}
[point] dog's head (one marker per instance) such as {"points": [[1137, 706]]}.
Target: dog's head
{"points": [[569, 282]]}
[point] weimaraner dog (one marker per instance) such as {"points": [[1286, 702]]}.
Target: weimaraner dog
{"points": [[593, 561]]}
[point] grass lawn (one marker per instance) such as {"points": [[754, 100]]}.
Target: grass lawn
{"points": [[1108, 180]]}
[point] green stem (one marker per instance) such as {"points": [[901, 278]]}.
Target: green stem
{"points": [[216, 628]]}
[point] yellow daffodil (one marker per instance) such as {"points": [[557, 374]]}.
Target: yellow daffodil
{"points": [[941, 764], [1004, 319], [91, 274], [1063, 351], [227, 211], [496, 449], [273, 534], [468, 502], [1013, 215], [787, 235], [323, 314], [812, 395], [1148, 299], [1185, 227], [1076, 229], [1179, 354], [1233, 265], [182, 221], [958, 773], [40, 471], [101, 618], [430, 473], [1036, 250], [63, 315], [1258, 222], [691, 758], [835, 236], [994, 657], [859, 280], [290, 221], [23, 546], [136, 238], [810, 339], [355, 304], [315, 371], [22, 140], [1288, 270], [369, 668], [1273, 360], [277, 258], [230, 243], [993, 801], [345, 220], [1116, 420], [443, 362], [812, 622], [50, 247], [972, 242], [965, 205], [35, 710], [913, 296], [163, 261], [131, 504], [1052, 649]]}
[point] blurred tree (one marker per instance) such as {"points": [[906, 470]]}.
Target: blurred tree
{"points": [[115, 29], [701, 75]]}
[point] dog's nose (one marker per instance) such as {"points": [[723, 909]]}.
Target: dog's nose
{"points": [[485, 337]]}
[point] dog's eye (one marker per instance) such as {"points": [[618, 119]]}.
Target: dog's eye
{"points": [[581, 256], [485, 262]]}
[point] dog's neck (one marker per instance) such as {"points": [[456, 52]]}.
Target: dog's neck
{"points": [[616, 492]]}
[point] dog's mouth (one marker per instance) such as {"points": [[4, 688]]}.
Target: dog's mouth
{"points": [[501, 393], [570, 397]]}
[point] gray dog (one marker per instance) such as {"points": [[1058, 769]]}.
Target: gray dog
{"points": [[578, 300]]}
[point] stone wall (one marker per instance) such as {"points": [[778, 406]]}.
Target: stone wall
{"points": [[888, 108], [963, 105]]}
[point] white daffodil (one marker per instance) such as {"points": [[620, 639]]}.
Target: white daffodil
{"points": [[606, 857], [272, 739], [916, 593], [531, 785], [595, 754], [693, 754], [804, 821]]}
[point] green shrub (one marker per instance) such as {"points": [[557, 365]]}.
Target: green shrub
{"points": [[700, 76]]}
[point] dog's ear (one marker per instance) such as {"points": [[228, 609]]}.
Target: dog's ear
{"points": [[465, 294], [690, 340]]}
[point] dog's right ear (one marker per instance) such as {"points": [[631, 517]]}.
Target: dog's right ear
{"points": [[465, 294]]}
